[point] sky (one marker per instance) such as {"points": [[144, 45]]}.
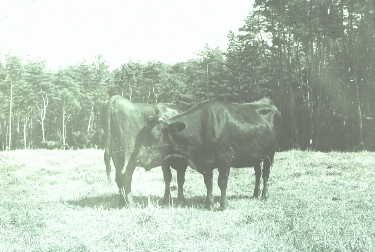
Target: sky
{"points": [[65, 32]]}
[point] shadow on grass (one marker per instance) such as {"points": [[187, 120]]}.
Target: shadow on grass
{"points": [[198, 202], [112, 201]]}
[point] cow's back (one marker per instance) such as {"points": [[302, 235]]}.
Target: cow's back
{"points": [[127, 120], [248, 131]]}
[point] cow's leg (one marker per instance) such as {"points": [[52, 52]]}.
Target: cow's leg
{"points": [[223, 182], [180, 181], [208, 181], [128, 176], [107, 162], [118, 161], [167, 181], [258, 173], [266, 173]]}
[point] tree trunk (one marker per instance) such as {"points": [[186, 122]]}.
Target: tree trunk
{"points": [[43, 112], [63, 127], [148, 97], [10, 115], [130, 92], [313, 83], [3, 134], [360, 127], [91, 113], [293, 123], [155, 96], [6, 137], [318, 66], [43, 136], [24, 133]]}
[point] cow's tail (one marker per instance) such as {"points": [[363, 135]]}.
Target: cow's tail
{"points": [[278, 125], [107, 133]]}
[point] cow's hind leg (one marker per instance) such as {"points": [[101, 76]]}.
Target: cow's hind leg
{"points": [[258, 173], [265, 175], [181, 170], [107, 162], [208, 181], [223, 182], [124, 178], [167, 181]]}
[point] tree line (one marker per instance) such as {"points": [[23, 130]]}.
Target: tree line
{"points": [[314, 59]]}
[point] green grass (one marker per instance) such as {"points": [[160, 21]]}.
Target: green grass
{"points": [[53, 200]]}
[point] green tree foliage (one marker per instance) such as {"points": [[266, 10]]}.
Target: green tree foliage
{"points": [[13, 82], [213, 71], [314, 59]]}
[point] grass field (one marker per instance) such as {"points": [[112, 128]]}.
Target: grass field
{"points": [[61, 201]]}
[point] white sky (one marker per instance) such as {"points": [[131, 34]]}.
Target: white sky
{"points": [[67, 31]]}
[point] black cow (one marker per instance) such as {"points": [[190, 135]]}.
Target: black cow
{"points": [[122, 122], [79, 139], [98, 138], [50, 144], [214, 134]]}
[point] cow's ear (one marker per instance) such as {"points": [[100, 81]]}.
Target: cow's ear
{"points": [[176, 127]]}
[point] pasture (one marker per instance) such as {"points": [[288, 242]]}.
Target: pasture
{"points": [[54, 200]]}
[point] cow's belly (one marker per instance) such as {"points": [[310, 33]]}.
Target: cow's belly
{"points": [[244, 163], [250, 156]]}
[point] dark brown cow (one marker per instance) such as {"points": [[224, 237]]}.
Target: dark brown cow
{"points": [[122, 121], [214, 134], [79, 139], [98, 139], [50, 145]]}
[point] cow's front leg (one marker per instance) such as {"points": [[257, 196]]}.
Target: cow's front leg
{"points": [[258, 173], [121, 190], [180, 182], [208, 181], [167, 181], [266, 173], [128, 176], [118, 161], [223, 182]]}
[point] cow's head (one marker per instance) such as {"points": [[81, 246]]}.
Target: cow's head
{"points": [[155, 142]]}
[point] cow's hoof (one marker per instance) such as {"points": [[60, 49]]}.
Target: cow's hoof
{"points": [[167, 201], [181, 203], [224, 204], [223, 208], [122, 202], [208, 206]]}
